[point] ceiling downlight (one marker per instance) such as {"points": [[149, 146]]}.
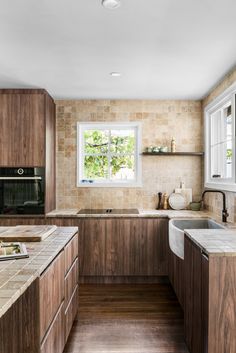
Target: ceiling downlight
{"points": [[115, 74], [111, 4]]}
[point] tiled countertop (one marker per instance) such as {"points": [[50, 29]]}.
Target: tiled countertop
{"points": [[17, 275], [214, 242], [142, 213]]}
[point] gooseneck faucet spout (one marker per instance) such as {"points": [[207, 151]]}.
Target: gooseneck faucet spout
{"points": [[224, 210]]}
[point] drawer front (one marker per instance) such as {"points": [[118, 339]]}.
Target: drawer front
{"points": [[51, 292], [71, 312], [54, 340], [71, 281], [71, 252]]}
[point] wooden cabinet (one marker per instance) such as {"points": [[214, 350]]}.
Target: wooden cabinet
{"points": [[210, 306], [128, 247], [19, 326], [58, 298], [54, 340], [27, 139], [51, 292], [176, 276], [22, 126], [71, 281], [193, 314], [71, 311]]}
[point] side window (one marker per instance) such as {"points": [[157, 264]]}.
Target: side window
{"points": [[220, 143]]}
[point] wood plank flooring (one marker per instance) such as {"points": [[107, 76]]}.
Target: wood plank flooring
{"points": [[127, 319]]}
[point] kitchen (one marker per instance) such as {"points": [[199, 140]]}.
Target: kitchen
{"points": [[117, 177]]}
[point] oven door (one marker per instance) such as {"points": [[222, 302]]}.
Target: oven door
{"points": [[21, 195]]}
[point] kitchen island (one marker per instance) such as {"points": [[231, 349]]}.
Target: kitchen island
{"points": [[39, 295]]}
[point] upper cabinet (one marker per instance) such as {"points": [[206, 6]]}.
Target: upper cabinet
{"points": [[24, 116], [220, 142]]}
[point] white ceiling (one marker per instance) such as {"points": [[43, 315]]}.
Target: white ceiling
{"points": [[165, 49]]}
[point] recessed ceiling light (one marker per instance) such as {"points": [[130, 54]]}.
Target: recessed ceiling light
{"points": [[115, 74], [111, 4]]}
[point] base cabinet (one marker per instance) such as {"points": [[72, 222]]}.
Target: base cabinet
{"points": [[58, 293], [210, 305], [19, 326], [193, 311], [132, 247], [54, 340], [176, 276]]}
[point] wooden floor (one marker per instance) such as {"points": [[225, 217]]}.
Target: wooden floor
{"points": [[127, 319]]}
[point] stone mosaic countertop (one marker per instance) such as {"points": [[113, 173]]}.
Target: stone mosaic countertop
{"points": [[17, 275], [214, 242], [142, 213]]}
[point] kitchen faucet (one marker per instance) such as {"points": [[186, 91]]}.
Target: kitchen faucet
{"points": [[224, 210]]}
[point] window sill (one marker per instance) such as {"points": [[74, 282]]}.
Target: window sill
{"points": [[221, 186], [110, 185]]}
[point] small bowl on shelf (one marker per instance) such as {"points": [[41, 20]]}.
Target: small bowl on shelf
{"points": [[195, 205]]}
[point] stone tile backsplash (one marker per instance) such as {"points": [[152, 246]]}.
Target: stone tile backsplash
{"points": [[160, 121]]}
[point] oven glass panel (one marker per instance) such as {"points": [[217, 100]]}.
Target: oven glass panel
{"points": [[22, 196]]}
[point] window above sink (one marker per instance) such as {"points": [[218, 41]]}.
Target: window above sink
{"points": [[108, 154], [220, 142]]}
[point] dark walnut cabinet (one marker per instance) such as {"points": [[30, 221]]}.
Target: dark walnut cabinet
{"points": [[210, 306], [176, 276], [113, 248], [27, 139]]}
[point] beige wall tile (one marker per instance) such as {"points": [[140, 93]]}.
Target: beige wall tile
{"points": [[160, 121]]}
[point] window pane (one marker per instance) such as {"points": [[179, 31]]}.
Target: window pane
{"points": [[123, 168], [95, 167], [122, 141], [221, 143], [96, 141]]}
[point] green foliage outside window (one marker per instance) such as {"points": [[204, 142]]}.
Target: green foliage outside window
{"points": [[109, 150]]}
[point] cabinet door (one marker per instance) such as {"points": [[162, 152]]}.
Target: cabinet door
{"points": [[22, 126], [54, 340], [123, 247], [136, 247], [71, 312], [92, 238], [176, 276], [193, 296], [51, 292]]}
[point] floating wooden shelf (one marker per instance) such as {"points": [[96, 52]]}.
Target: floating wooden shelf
{"points": [[173, 154]]}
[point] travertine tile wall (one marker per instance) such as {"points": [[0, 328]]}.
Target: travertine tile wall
{"points": [[214, 201], [160, 121]]}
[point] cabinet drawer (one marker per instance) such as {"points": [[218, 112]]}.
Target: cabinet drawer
{"points": [[71, 252], [51, 292], [71, 311], [54, 340], [71, 281]]}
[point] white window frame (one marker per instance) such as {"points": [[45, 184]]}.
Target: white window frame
{"points": [[228, 184], [82, 126]]}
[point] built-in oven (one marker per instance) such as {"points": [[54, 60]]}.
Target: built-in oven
{"points": [[22, 191]]}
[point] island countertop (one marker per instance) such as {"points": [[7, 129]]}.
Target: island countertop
{"points": [[17, 275]]}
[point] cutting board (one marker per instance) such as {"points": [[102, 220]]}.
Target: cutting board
{"points": [[187, 193], [26, 233]]}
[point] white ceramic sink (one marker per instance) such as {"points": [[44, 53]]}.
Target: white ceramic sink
{"points": [[177, 227]]}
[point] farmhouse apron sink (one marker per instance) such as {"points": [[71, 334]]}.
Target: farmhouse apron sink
{"points": [[177, 227]]}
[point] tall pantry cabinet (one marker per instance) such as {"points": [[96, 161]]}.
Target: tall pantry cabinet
{"points": [[27, 134]]}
